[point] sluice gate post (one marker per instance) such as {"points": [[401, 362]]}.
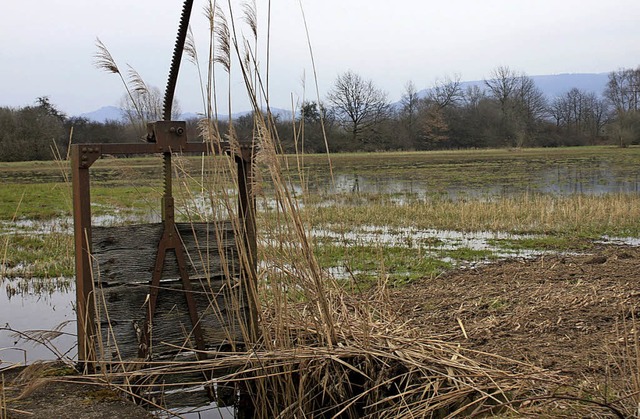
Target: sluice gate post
{"points": [[140, 285]]}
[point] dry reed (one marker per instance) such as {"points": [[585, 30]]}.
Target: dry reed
{"points": [[318, 351], [625, 358]]}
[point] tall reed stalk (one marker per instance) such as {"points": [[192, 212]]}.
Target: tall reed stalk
{"points": [[319, 351]]}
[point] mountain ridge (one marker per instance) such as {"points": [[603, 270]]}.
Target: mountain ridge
{"points": [[113, 113]]}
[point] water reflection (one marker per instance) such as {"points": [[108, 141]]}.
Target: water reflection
{"points": [[31, 311], [596, 179]]}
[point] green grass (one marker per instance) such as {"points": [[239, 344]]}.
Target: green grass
{"points": [[401, 264], [38, 255], [34, 200], [467, 254], [549, 242]]}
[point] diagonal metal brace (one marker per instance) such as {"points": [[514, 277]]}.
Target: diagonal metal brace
{"points": [[170, 241]]}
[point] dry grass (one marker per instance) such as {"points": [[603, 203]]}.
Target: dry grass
{"points": [[627, 361], [3, 399], [580, 215], [379, 366]]}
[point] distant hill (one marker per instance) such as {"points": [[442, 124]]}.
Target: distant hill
{"points": [[112, 113], [556, 84], [559, 84], [104, 114]]}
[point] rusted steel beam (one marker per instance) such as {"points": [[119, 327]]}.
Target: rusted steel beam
{"points": [[191, 302], [170, 240], [91, 152], [81, 159], [152, 148]]}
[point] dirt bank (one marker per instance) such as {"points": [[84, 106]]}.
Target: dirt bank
{"points": [[38, 393], [573, 314]]}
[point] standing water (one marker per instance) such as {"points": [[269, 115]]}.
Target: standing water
{"points": [[25, 317]]}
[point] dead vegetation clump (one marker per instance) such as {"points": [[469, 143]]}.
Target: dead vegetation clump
{"points": [[379, 365], [574, 315], [382, 366]]}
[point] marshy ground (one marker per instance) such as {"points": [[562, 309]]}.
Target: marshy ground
{"points": [[506, 252], [565, 313]]}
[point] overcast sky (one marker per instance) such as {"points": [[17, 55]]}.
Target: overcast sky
{"points": [[48, 46]]}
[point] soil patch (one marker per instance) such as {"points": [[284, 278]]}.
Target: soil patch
{"points": [[33, 393], [573, 314]]}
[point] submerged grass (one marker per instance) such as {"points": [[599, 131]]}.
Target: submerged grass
{"points": [[39, 256], [468, 254], [548, 242]]}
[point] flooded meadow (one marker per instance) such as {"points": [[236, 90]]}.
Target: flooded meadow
{"points": [[391, 216]]}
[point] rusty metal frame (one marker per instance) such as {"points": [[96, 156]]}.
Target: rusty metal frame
{"points": [[169, 137]]}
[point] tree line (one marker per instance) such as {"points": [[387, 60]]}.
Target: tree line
{"points": [[507, 110]]}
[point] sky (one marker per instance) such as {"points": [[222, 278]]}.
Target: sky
{"points": [[48, 46]]}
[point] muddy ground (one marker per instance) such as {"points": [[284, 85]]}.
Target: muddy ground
{"points": [[571, 314], [36, 392]]}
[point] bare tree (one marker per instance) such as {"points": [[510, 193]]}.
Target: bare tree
{"points": [[446, 92], [623, 93], [145, 104], [623, 89], [472, 97], [409, 101], [502, 84], [521, 102], [580, 112], [358, 103], [407, 116]]}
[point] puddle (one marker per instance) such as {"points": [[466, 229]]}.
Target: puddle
{"points": [[28, 226], [117, 218], [64, 225], [622, 241], [211, 411], [428, 239], [559, 178], [28, 312]]}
